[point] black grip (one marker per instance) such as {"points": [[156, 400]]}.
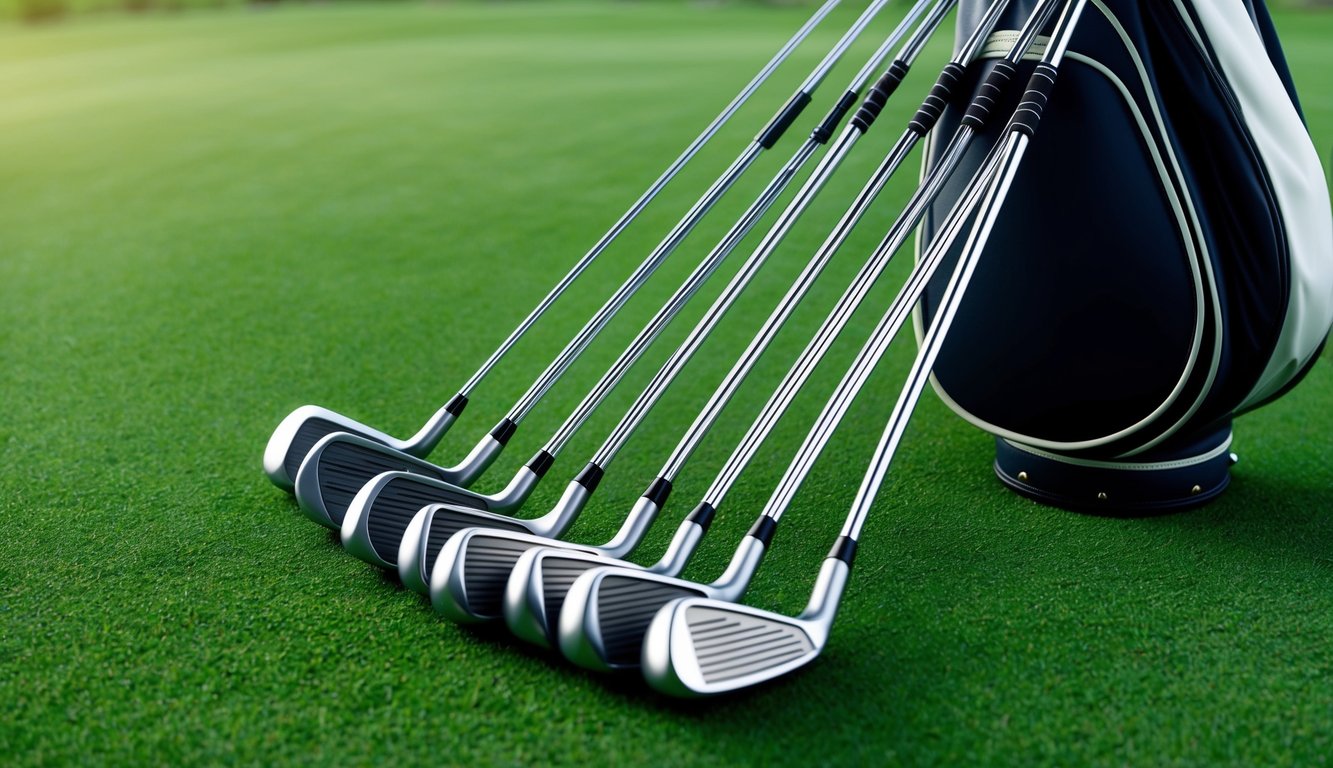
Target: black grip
{"points": [[782, 120], [988, 95], [503, 431], [540, 464], [879, 95], [590, 477], [702, 515], [658, 492], [763, 529], [456, 405], [930, 110], [844, 549], [824, 131], [1038, 92]]}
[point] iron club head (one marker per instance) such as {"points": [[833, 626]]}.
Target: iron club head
{"points": [[297, 433]]}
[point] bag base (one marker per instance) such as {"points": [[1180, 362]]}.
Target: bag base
{"points": [[1184, 478]]}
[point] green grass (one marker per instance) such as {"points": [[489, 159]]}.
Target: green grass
{"points": [[209, 219]]}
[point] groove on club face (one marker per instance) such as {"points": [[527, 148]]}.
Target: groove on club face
{"points": [[557, 575], [487, 563], [398, 502], [729, 645], [311, 431], [537, 589], [625, 608], [445, 522], [345, 467]]}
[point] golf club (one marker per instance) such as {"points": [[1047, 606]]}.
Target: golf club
{"points": [[465, 590], [607, 609], [541, 576], [388, 506], [697, 647], [338, 465], [303, 427]]}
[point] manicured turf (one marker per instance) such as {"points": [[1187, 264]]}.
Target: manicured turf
{"points": [[209, 219]]}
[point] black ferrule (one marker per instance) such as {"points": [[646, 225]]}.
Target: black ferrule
{"points": [[456, 405], [930, 110], [590, 477], [844, 549], [988, 95], [702, 515], [1038, 92], [825, 130], [658, 492], [782, 120], [540, 464], [879, 95], [503, 431], [763, 529]]}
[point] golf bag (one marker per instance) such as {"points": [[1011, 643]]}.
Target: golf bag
{"points": [[1164, 260]]}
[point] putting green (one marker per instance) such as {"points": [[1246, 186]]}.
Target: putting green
{"points": [[210, 218]]}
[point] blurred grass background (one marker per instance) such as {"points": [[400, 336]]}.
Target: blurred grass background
{"points": [[51, 10], [209, 218]]}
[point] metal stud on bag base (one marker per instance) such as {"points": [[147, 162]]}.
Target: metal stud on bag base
{"points": [[1184, 478]]}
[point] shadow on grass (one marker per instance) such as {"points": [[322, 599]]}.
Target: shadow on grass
{"points": [[627, 685], [1283, 518]]}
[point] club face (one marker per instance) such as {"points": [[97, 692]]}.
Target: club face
{"points": [[607, 612], [700, 647], [439, 524], [469, 576], [339, 465], [291, 442], [537, 587], [381, 512]]}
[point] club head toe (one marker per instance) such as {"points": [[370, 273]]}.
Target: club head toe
{"points": [[411, 556], [294, 437], [537, 588], [702, 647]]}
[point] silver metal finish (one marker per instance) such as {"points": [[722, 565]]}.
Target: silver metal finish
{"points": [[326, 502], [341, 463], [469, 575], [870, 272], [651, 192], [699, 647], [776, 234], [468, 580], [639, 410], [637, 523], [426, 535], [392, 498], [641, 517], [381, 511], [837, 406], [687, 290], [583, 636], [636, 280], [607, 609], [541, 577], [387, 503], [304, 426], [683, 228], [488, 449]]}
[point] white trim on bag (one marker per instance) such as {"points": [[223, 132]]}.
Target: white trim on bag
{"points": [[1190, 235], [1146, 466], [1297, 179]]}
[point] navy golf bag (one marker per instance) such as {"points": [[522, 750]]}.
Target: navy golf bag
{"points": [[1163, 261]]}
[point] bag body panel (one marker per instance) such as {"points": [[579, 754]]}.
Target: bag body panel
{"points": [[1244, 51], [1262, 281]]}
